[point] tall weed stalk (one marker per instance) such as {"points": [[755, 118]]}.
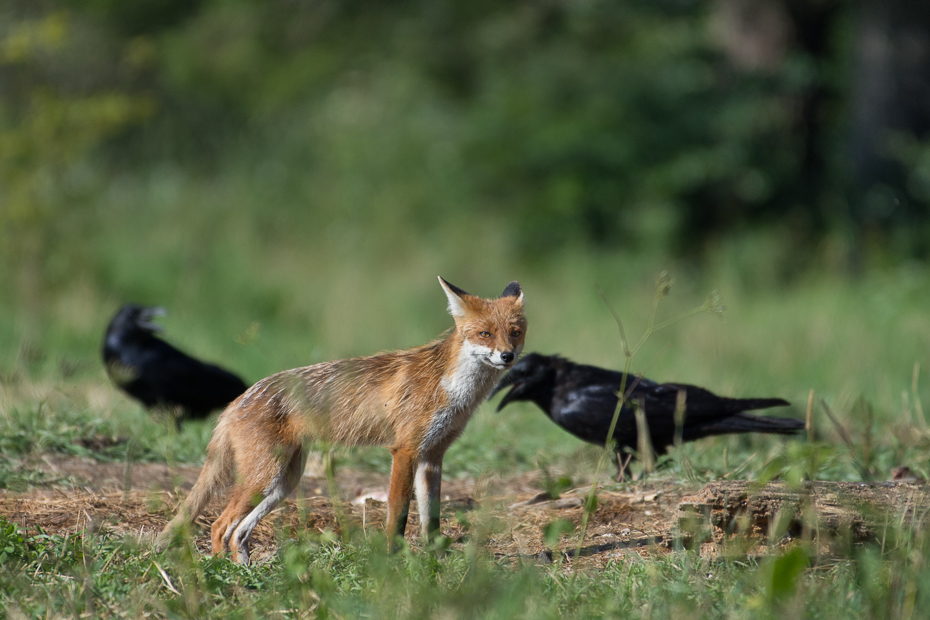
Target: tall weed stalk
{"points": [[663, 287]]}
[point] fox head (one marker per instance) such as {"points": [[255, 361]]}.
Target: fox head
{"points": [[493, 329]]}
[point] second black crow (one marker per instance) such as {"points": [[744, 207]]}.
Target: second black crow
{"points": [[159, 375], [582, 400]]}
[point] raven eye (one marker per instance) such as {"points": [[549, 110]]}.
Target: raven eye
{"points": [[485, 334]]}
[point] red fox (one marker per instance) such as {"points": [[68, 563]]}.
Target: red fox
{"points": [[417, 402]]}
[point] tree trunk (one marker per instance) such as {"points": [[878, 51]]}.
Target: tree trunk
{"points": [[890, 99]]}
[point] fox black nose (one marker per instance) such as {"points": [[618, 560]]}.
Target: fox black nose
{"points": [[507, 357]]}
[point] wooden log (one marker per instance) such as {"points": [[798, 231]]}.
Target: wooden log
{"points": [[774, 510]]}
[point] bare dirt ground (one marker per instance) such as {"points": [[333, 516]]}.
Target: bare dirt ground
{"points": [[509, 515]]}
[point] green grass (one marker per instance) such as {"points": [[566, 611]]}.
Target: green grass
{"points": [[83, 574]]}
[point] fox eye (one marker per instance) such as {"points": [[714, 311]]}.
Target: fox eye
{"points": [[515, 333], [484, 334]]}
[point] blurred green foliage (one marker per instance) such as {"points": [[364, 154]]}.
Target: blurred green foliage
{"points": [[288, 177], [601, 123]]}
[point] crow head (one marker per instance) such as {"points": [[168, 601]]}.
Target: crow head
{"points": [[133, 318], [531, 378]]}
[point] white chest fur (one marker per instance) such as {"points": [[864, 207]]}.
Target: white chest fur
{"points": [[466, 386]]}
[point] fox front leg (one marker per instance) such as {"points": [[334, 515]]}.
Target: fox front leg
{"points": [[428, 483]]}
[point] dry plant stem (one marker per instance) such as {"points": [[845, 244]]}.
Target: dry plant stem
{"points": [[739, 468], [918, 407], [621, 466], [642, 436], [127, 472], [808, 424], [681, 403], [844, 435]]}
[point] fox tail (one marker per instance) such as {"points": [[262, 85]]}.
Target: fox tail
{"points": [[215, 477]]}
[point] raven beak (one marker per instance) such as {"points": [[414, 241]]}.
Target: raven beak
{"points": [[146, 316], [514, 392], [506, 380]]}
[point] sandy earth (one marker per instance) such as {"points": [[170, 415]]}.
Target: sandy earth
{"points": [[507, 514]]}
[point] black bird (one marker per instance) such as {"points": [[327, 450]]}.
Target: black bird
{"points": [[582, 400], [155, 373]]}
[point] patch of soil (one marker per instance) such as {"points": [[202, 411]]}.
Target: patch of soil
{"points": [[507, 515]]}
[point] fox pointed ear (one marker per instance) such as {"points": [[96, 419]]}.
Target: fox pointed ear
{"points": [[455, 295], [513, 290]]}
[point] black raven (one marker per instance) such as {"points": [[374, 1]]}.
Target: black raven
{"points": [[155, 373], [582, 400]]}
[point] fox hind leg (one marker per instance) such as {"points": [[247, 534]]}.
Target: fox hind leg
{"points": [[280, 487], [240, 504], [251, 501]]}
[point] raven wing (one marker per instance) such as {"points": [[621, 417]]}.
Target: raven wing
{"points": [[179, 379], [587, 412]]}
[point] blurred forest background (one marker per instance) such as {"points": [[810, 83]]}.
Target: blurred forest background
{"points": [[288, 177]]}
